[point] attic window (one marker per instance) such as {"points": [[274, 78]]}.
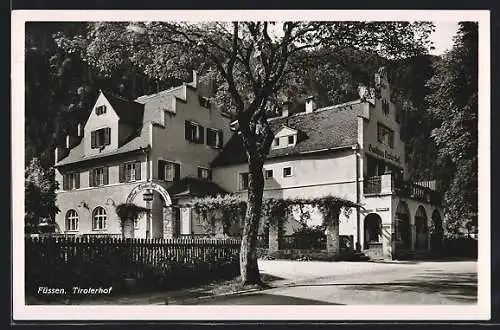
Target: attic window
{"points": [[204, 102], [100, 110]]}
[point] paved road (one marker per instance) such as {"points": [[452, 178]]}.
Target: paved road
{"points": [[362, 283]]}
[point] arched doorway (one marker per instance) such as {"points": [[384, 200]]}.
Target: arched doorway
{"points": [[373, 229], [421, 229], [159, 214], [436, 231], [402, 226]]}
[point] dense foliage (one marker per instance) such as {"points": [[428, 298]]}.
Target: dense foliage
{"points": [[40, 186], [453, 104]]}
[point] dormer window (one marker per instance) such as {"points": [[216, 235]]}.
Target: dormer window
{"points": [[286, 137], [100, 110]]}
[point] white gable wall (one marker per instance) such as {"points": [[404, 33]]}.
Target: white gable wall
{"points": [[95, 122]]}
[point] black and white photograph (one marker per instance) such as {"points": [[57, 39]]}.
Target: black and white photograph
{"points": [[251, 165]]}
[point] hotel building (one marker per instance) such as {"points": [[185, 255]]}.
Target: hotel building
{"points": [[178, 146]]}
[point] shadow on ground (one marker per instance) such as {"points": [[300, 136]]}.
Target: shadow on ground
{"points": [[262, 299], [460, 287]]}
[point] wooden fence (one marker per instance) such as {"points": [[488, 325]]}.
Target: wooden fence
{"points": [[65, 262]]}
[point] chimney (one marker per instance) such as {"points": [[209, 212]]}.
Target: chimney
{"points": [[80, 130], [285, 109], [71, 141], [60, 153], [310, 104]]}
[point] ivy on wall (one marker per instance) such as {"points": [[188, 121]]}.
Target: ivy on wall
{"points": [[230, 208]]}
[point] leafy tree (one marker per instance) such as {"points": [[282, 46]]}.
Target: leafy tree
{"points": [[40, 197], [251, 63], [60, 88], [453, 104]]}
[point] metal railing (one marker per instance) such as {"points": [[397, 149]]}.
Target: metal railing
{"points": [[421, 191], [372, 185]]}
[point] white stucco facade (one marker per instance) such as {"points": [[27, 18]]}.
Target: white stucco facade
{"points": [[364, 163]]}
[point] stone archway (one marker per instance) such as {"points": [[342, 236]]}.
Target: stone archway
{"points": [[421, 229], [152, 186], [437, 231], [402, 226], [160, 214]]}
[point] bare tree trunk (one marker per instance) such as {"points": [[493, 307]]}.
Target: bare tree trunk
{"points": [[248, 257]]}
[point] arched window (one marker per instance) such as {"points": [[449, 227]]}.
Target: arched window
{"points": [[71, 220], [99, 219]]}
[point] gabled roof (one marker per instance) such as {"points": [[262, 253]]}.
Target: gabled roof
{"points": [[130, 112], [194, 187], [326, 128], [77, 154]]}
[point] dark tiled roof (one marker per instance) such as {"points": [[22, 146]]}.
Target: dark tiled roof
{"points": [[77, 153], [195, 187], [130, 112], [326, 128]]}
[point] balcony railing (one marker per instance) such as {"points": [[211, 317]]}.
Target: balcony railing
{"points": [[372, 185], [387, 184]]}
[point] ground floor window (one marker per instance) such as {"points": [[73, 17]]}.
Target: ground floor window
{"points": [[71, 220], [99, 219]]}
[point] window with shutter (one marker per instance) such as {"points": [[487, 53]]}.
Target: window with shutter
{"points": [[168, 171], [201, 134], [177, 172], [187, 130], [65, 182], [243, 181], [204, 173], [77, 180], [138, 170], [220, 139], [107, 136], [121, 173], [161, 169], [105, 175], [91, 178], [211, 137], [93, 139]]}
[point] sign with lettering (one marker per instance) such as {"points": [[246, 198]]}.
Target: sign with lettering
{"points": [[382, 209], [149, 185], [384, 153]]}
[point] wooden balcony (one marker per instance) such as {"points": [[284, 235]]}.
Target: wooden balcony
{"points": [[387, 184]]}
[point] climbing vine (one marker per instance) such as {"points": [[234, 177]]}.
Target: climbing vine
{"points": [[275, 211], [129, 211], [228, 207]]}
